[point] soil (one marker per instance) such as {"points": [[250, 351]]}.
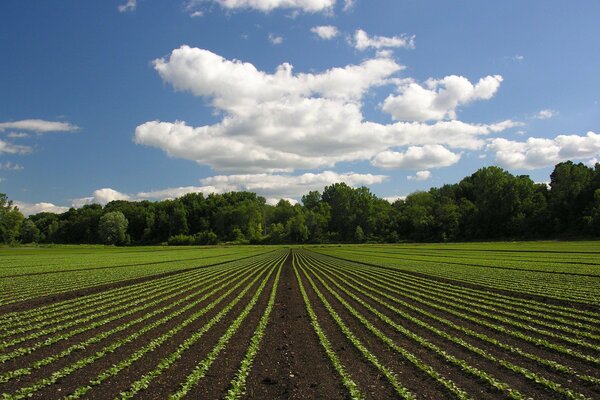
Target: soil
{"points": [[291, 363]]}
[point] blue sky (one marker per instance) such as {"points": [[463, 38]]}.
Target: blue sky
{"points": [[150, 99]]}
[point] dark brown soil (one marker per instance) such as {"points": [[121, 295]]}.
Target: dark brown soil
{"points": [[291, 363]]}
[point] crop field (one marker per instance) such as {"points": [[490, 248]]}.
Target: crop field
{"points": [[443, 321]]}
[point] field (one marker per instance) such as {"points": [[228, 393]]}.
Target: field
{"points": [[432, 321]]}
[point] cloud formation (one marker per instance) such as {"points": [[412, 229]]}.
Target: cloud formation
{"points": [[129, 6], [309, 6], [541, 152], [362, 41], [419, 176], [439, 98], [272, 187], [101, 196], [428, 156], [325, 32], [274, 39], [10, 148], [35, 208], [282, 121], [546, 114], [11, 166], [39, 126]]}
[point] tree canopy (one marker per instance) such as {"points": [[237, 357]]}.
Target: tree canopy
{"points": [[487, 205]]}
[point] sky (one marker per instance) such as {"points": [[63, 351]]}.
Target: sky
{"points": [[152, 99]]}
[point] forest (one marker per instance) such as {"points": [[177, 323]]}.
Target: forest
{"points": [[491, 204]]}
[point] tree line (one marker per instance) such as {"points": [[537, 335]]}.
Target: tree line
{"points": [[490, 204]]}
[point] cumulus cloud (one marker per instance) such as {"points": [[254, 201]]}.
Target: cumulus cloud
{"points": [[38, 125], [288, 186], [546, 114], [272, 201], [282, 121], [325, 32], [428, 156], [309, 6], [10, 148], [542, 152], [11, 166], [362, 41], [197, 14], [101, 196], [274, 39], [271, 186], [438, 99], [34, 208], [129, 6], [419, 176], [392, 199]]}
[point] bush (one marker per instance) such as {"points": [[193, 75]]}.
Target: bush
{"points": [[200, 238]]}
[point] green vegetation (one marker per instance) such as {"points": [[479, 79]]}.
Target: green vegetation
{"points": [[490, 204], [387, 321]]}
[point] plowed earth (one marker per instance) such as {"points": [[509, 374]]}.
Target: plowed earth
{"points": [[387, 328]]}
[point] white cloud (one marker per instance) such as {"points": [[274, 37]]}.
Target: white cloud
{"points": [[173, 193], [101, 196], [419, 176], [392, 199], [518, 57], [17, 135], [428, 156], [439, 98], [349, 5], [542, 152], [311, 6], [546, 114], [38, 125], [592, 162], [129, 6], [196, 14], [275, 39], [288, 186], [10, 166], [29, 209], [9, 148], [284, 121], [325, 32], [274, 200], [362, 41], [270, 186]]}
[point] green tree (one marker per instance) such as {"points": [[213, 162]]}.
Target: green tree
{"points": [[571, 192], [10, 220], [113, 228], [29, 232]]}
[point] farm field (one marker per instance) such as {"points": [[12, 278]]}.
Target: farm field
{"points": [[431, 321]]}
